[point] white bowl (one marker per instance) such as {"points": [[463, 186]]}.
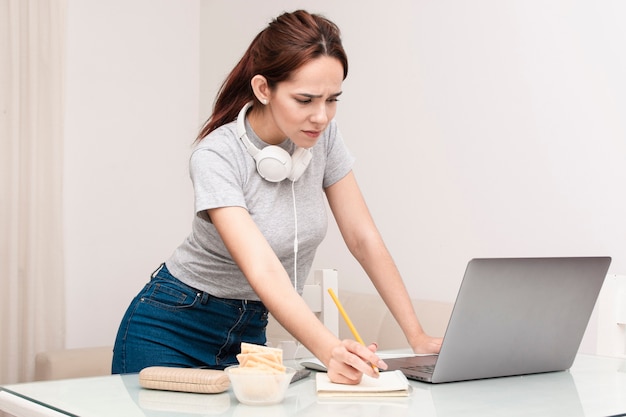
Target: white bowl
{"points": [[255, 387]]}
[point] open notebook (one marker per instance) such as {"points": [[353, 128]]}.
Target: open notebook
{"points": [[388, 384]]}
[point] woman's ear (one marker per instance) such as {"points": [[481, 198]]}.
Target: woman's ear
{"points": [[261, 88]]}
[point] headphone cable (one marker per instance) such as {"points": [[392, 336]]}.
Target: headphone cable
{"points": [[295, 239]]}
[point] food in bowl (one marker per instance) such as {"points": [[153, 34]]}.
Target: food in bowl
{"points": [[261, 357], [260, 378], [259, 386]]}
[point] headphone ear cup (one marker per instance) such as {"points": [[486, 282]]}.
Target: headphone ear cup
{"points": [[299, 161], [273, 163]]}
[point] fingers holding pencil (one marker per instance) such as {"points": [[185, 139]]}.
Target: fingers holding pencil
{"points": [[350, 360], [379, 363], [358, 350]]}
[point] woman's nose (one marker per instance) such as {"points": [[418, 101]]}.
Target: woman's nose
{"points": [[320, 114]]}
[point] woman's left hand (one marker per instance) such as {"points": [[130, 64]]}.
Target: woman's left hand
{"points": [[427, 344]]}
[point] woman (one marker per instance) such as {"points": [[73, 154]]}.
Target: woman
{"points": [[262, 165]]}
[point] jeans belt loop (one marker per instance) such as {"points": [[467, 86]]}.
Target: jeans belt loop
{"points": [[205, 298]]}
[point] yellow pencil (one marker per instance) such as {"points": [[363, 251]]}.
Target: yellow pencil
{"points": [[348, 322]]}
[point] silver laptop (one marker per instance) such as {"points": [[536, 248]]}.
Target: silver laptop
{"points": [[514, 316]]}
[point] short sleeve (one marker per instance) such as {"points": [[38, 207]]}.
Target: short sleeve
{"points": [[339, 160], [216, 168]]}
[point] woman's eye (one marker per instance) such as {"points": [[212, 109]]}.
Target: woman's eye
{"points": [[308, 100]]}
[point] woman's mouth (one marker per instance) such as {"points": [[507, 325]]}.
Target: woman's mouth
{"points": [[313, 134]]}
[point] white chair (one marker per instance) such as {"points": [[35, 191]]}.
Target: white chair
{"points": [[315, 294]]}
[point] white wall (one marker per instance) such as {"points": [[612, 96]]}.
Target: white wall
{"points": [[482, 128], [131, 117]]}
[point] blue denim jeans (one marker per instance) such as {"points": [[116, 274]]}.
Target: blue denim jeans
{"points": [[172, 324]]}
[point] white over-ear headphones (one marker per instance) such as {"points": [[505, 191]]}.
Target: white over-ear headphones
{"points": [[273, 162]]}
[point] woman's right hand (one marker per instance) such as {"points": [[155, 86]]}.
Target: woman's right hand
{"points": [[350, 360]]}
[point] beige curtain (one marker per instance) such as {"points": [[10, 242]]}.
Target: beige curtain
{"points": [[32, 38]]}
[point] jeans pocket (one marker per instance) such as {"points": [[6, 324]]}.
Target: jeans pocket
{"points": [[170, 295]]}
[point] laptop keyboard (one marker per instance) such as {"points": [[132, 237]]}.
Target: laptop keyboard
{"points": [[427, 369]]}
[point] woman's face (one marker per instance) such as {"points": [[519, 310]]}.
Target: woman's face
{"points": [[301, 107]]}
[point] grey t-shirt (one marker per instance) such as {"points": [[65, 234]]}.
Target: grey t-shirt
{"points": [[224, 174]]}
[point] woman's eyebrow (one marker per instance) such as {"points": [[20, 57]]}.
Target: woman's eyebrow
{"points": [[307, 95]]}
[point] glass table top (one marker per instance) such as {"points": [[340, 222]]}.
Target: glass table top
{"points": [[594, 386]]}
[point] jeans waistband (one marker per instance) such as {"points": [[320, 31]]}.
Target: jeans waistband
{"points": [[163, 272]]}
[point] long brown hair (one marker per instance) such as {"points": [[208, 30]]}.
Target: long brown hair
{"points": [[288, 42]]}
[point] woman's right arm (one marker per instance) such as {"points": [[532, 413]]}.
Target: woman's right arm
{"points": [[346, 360]]}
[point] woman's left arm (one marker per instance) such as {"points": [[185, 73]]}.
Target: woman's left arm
{"points": [[366, 245]]}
